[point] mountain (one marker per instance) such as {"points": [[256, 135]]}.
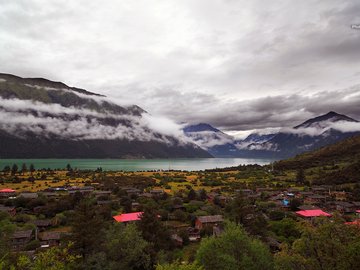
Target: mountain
{"points": [[309, 135], [323, 121], [345, 151], [338, 163], [40, 118], [216, 142]]}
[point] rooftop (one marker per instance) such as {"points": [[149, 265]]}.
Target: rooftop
{"points": [[128, 217], [313, 213]]}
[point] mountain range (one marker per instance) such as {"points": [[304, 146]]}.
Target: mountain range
{"points": [[40, 118], [310, 135]]}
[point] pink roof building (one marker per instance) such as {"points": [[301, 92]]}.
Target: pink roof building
{"points": [[128, 217], [312, 213], [355, 222], [7, 190]]}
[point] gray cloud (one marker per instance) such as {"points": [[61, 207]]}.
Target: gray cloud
{"points": [[267, 112], [238, 65]]}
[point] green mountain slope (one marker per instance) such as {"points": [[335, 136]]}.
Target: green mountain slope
{"points": [[346, 151]]}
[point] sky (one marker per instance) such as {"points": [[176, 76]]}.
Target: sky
{"points": [[238, 65]]}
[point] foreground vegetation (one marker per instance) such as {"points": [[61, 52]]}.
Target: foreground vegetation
{"points": [[234, 218]]}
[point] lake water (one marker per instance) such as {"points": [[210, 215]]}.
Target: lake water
{"points": [[193, 164]]}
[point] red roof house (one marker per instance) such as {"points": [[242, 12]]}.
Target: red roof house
{"points": [[7, 192], [128, 217], [355, 222], [312, 213]]}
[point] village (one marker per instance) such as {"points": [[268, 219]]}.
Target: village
{"points": [[191, 205]]}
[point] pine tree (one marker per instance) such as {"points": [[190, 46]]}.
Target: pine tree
{"points": [[86, 227], [300, 176], [14, 169]]}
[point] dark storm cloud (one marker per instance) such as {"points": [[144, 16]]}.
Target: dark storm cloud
{"points": [[235, 64]]}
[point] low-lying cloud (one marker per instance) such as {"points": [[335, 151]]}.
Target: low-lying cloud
{"points": [[19, 117]]}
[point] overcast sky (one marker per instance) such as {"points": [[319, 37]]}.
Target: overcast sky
{"points": [[235, 64]]}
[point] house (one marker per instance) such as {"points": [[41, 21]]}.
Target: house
{"points": [[85, 190], [8, 209], [7, 192], [29, 195], [204, 221], [102, 193], [217, 230], [194, 234], [49, 194], [49, 239], [132, 191], [319, 190], [156, 192], [42, 224], [355, 222], [339, 195], [135, 206], [308, 207], [312, 213], [20, 238], [105, 202], [128, 217], [345, 207], [177, 240], [245, 192], [315, 199]]}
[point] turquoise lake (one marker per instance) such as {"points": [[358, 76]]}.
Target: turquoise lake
{"points": [[193, 164]]}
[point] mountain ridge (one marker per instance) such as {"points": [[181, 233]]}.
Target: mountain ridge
{"points": [[44, 119]]}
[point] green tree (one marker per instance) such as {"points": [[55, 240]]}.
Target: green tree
{"points": [[86, 228], [6, 169], [330, 245], [126, 249], [32, 168], [14, 169], [233, 249], [286, 230], [153, 230], [300, 176], [178, 266], [23, 168], [56, 258], [192, 195], [68, 167]]}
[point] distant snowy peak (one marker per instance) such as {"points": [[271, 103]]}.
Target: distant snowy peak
{"points": [[200, 127], [325, 121], [207, 136]]}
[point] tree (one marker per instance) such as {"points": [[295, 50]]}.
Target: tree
{"points": [[86, 228], [6, 169], [32, 168], [233, 249], [126, 249], [153, 230], [178, 266], [68, 168], [330, 244], [192, 195], [56, 258], [202, 195], [23, 168], [300, 176], [14, 169], [286, 230]]}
